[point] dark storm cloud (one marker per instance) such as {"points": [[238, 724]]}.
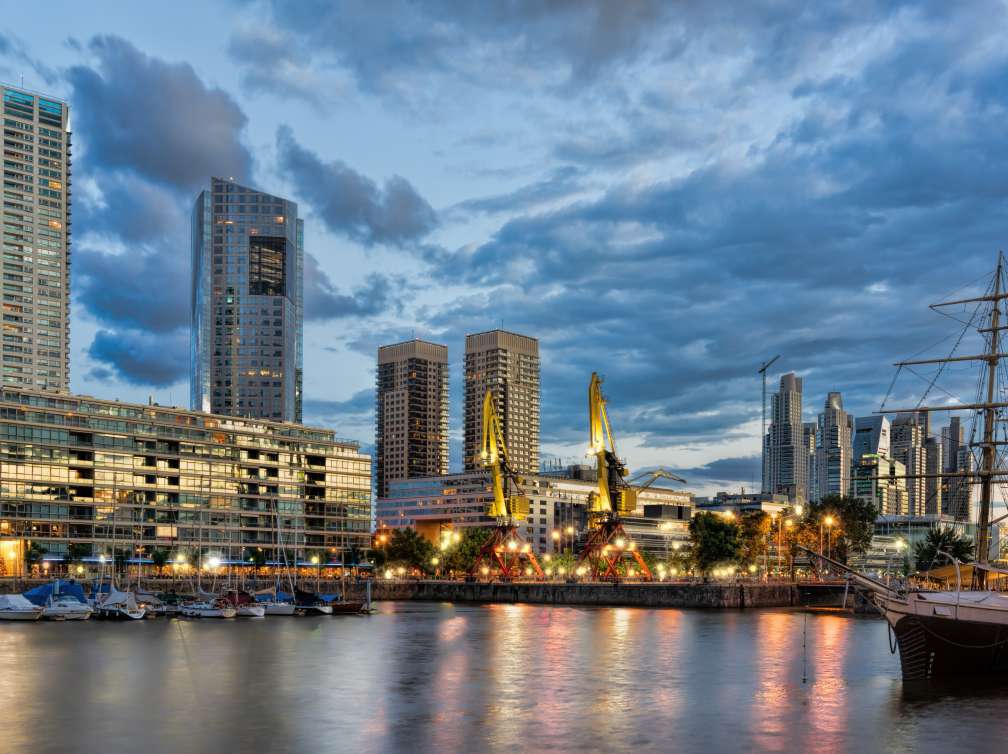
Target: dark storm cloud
{"points": [[322, 300], [145, 289], [142, 358], [724, 471], [155, 118], [352, 204]]}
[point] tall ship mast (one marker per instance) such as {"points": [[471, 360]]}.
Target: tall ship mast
{"points": [[962, 631]]}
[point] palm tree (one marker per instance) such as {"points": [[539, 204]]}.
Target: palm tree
{"points": [[946, 540]]}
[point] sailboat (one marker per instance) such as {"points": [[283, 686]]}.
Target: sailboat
{"points": [[964, 631], [60, 600], [273, 600]]}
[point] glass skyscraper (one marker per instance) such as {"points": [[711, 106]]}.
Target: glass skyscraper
{"points": [[36, 241], [247, 303]]}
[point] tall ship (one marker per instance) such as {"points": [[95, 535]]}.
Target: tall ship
{"points": [[949, 632]]}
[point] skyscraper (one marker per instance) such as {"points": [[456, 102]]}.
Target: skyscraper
{"points": [[809, 430], [908, 448], [933, 462], [785, 470], [247, 303], [508, 364], [411, 412], [957, 457], [834, 448], [871, 435], [36, 238]]}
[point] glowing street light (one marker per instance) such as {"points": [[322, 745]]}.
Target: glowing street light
{"points": [[512, 545]]}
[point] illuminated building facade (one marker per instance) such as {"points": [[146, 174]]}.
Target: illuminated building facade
{"points": [[35, 216], [104, 476]]}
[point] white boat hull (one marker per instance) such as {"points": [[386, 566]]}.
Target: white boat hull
{"points": [[67, 611], [251, 611], [279, 608], [209, 612], [21, 614]]}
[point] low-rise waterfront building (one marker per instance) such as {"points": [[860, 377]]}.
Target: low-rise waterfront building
{"points": [[738, 503], [111, 478], [557, 517]]}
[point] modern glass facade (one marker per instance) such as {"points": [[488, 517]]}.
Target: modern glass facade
{"points": [[247, 304], [36, 241], [107, 475]]}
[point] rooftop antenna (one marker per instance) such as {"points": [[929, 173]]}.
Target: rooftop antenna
{"points": [[762, 372]]}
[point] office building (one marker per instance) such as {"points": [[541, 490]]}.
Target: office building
{"points": [[934, 465], [104, 476], [833, 448], [507, 364], [960, 490], [871, 435], [36, 241], [247, 304], [908, 448], [881, 481], [785, 466], [411, 412]]}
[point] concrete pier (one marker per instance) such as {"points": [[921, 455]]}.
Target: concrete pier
{"points": [[741, 595]]}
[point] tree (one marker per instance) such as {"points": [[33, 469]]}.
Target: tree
{"points": [[33, 554], [714, 540], [461, 557], [755, 534], [410, 549], [946, 540]]}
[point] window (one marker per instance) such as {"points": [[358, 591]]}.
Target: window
{"points": [[266, 265]]}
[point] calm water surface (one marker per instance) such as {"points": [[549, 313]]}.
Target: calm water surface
{"points": [[426, 677]]}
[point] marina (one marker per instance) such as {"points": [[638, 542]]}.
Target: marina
{"points": [[426, 677]]}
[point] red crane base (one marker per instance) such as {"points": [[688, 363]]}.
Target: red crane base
{"points": [[501, 561], [602, 555]]}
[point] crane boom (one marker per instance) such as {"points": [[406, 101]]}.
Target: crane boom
{"points": [[613, 494], [493, 454]]}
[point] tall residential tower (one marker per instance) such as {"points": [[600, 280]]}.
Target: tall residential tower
{"points": [[833, 448], [247, 303], [508, 364], [411, 412], [35, 215]]}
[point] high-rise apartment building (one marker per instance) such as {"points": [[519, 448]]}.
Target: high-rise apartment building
{"points": [[247, 303], [507, 364], [908, 448], [785, 468], [834, 448], [952, 439], [36, 241], [959, 490], [411, 412]]}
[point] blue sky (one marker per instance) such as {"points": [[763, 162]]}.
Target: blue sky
{"points": [[666, 193]]}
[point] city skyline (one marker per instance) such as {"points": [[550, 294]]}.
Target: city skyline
{"points": [[674, 259]]}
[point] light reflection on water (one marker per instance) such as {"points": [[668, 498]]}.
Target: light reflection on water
{"points": [[428, 677]]}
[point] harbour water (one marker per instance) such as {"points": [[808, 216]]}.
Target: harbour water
{"points": [[420, 677]]}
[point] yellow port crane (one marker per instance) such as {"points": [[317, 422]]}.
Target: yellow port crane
{"points": [[502, 555], [607, 544]]}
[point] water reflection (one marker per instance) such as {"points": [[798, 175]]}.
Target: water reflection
{"points": [[427, 677]]}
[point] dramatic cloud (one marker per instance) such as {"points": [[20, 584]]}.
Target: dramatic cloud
{"points": [[352, 204], [275, 63], [140, 358], [156, 118], [323, 301]]}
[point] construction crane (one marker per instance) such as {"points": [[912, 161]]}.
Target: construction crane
{"points": [[654, 475], [607, 544], [502, 555]]}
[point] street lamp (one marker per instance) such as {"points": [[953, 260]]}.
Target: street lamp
{"points": [[829, 535], [318, 571]]}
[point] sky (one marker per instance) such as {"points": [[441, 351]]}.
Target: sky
{"points": [[666, 193]]}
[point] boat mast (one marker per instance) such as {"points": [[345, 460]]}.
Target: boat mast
{"points": [[987, 464]]}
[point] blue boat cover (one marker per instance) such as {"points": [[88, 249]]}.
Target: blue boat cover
{"points": [[280, 597], [40, 594]]}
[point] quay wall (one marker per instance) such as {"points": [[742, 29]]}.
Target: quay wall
{"points": [[743, 595]]}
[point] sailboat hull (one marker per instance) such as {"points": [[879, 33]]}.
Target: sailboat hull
{"points": [[937, 647]]}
